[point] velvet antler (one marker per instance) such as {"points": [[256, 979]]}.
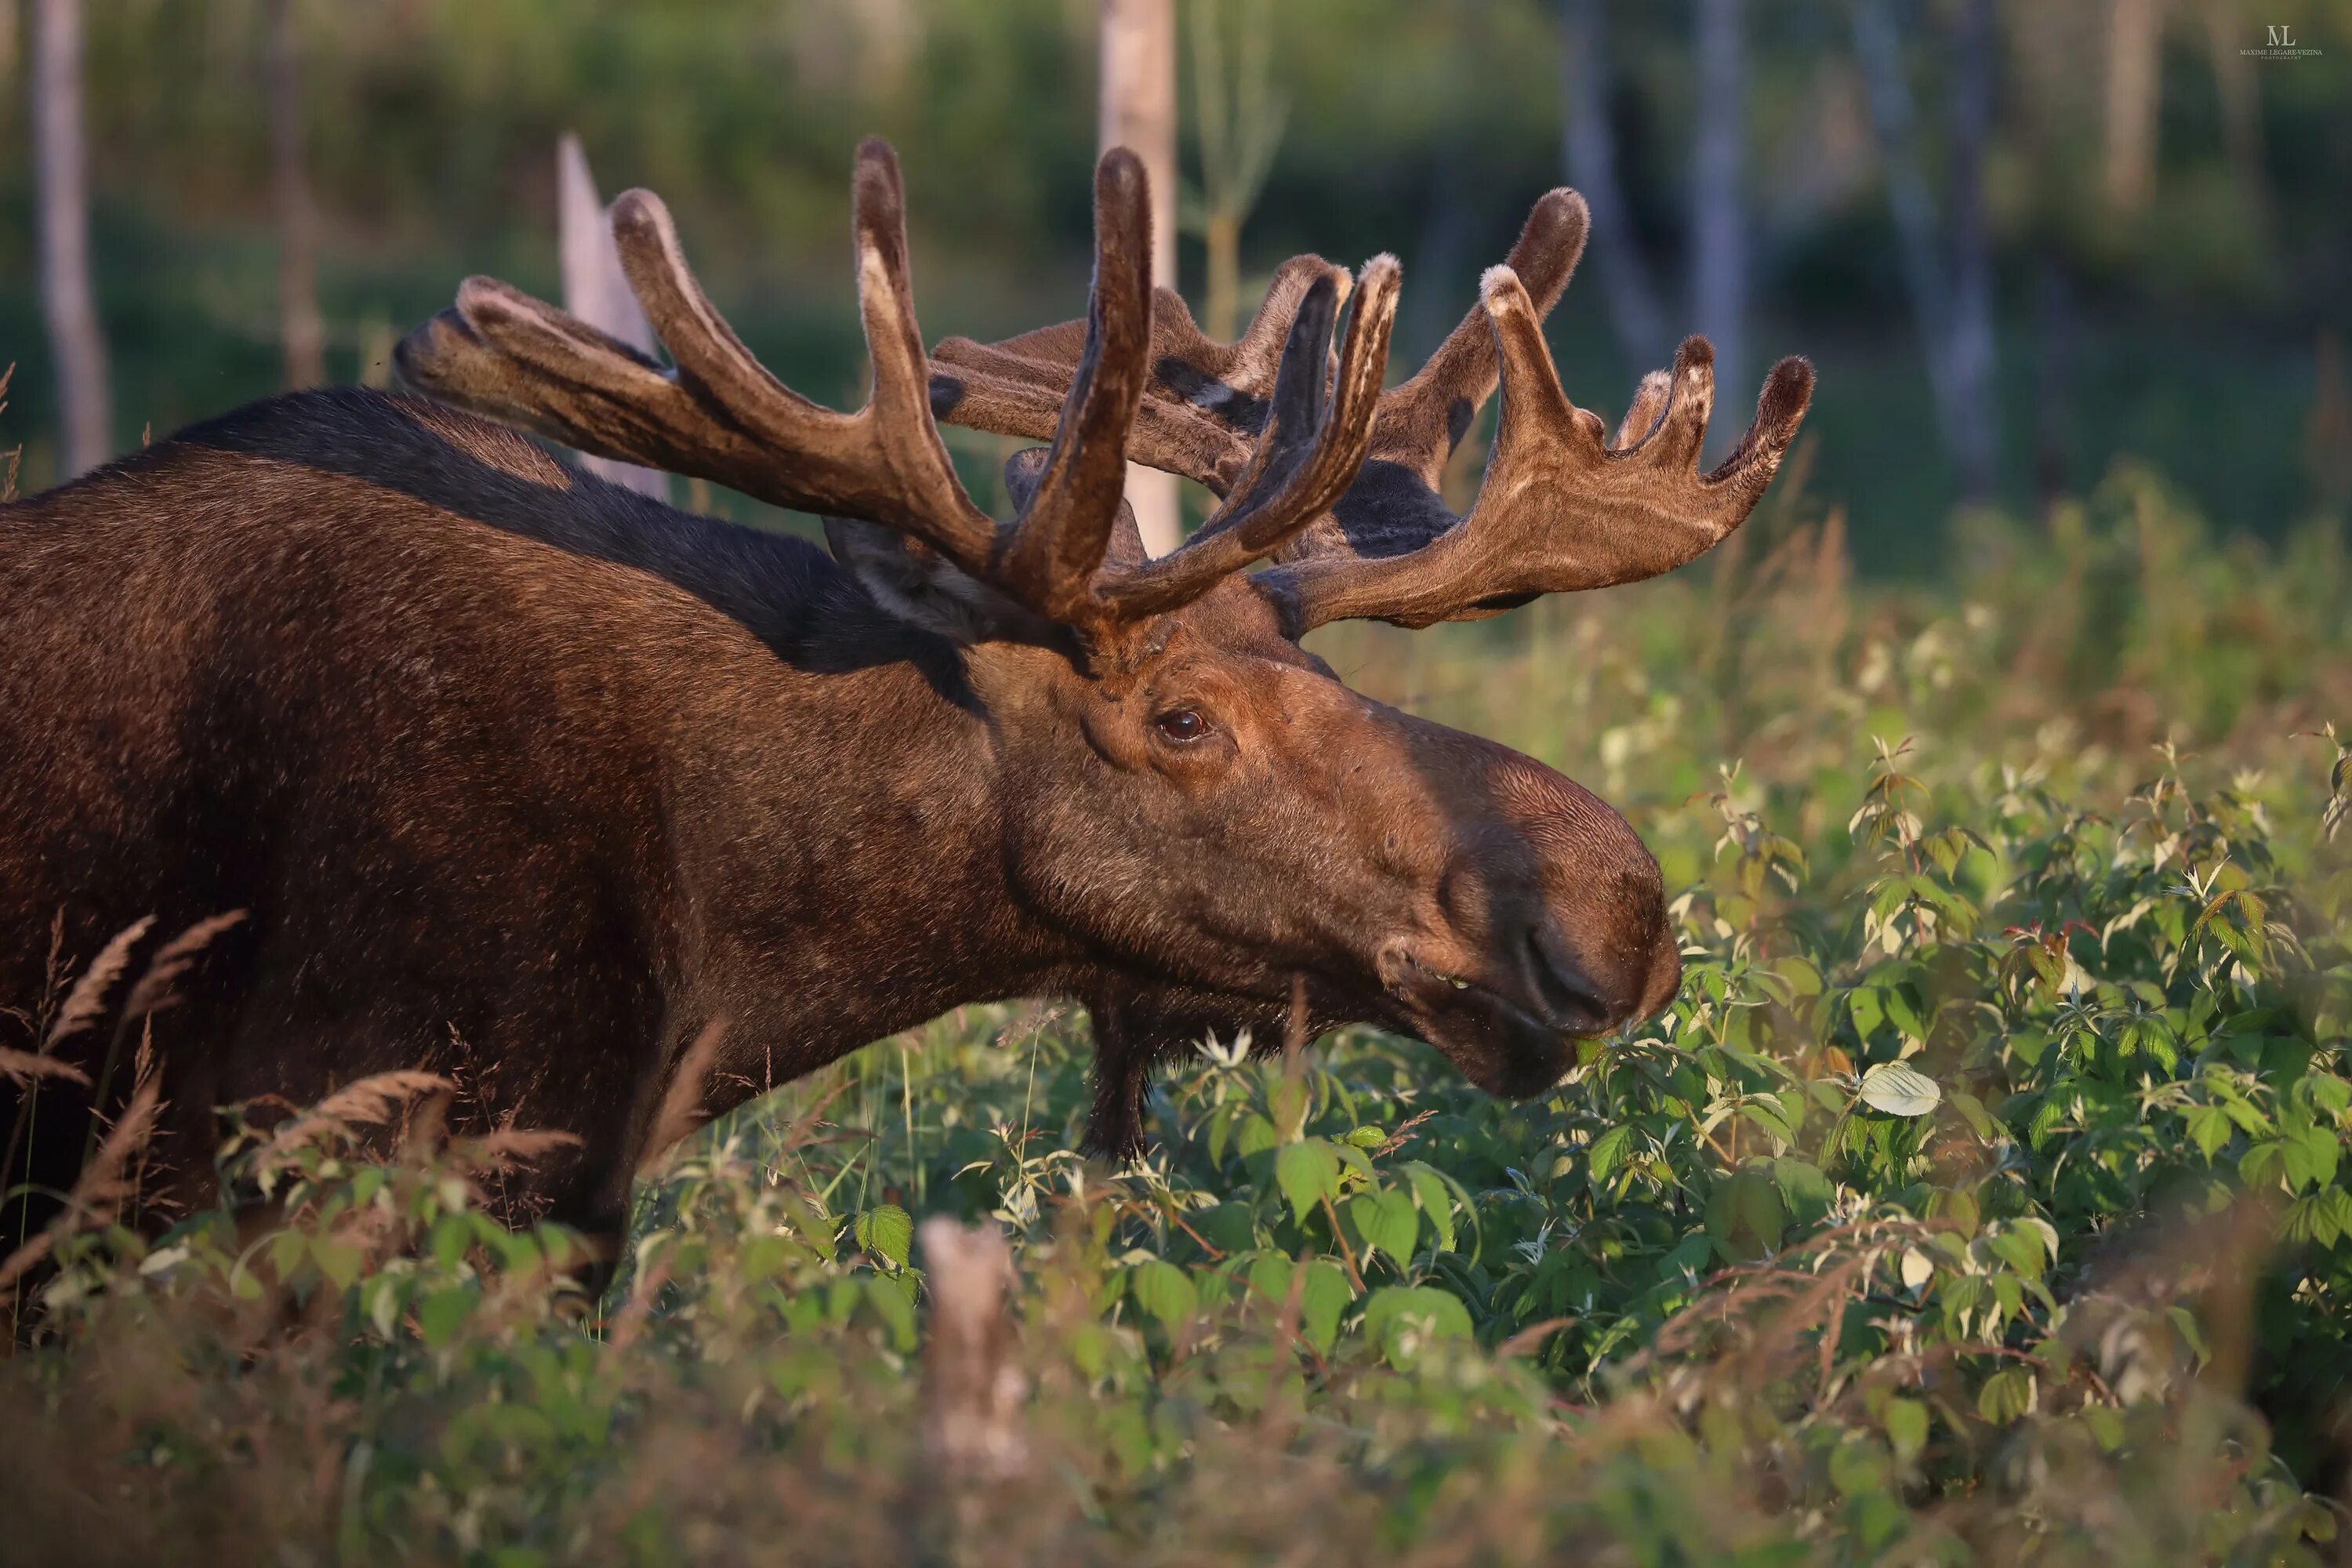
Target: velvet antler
{"points": [[1562, 507]]}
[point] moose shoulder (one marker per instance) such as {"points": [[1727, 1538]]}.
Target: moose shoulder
{"points": [[524, 775]]}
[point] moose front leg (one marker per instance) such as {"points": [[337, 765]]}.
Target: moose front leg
{"points": [[1130, 1036], [1137, 1028]]}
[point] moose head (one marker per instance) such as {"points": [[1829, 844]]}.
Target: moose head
{"points": [[1219, 830]]}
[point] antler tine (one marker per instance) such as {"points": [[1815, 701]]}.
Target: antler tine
{"points": [[885, 462], [1203, 404], [721, 415], [517, 360], [1423, 419], [1066, 527], [1560, 511], [1308, 455]]}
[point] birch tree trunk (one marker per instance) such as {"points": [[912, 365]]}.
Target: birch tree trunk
{"points": [[1139, 112], [1591, 147], [597, 291], [1977, 443], [61, 177], [1951, 293], [301, 334], [2135, 40], [2235, 80], [1718, 219]]}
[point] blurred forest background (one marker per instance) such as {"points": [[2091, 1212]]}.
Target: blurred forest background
{"points": [[2019, 239]]}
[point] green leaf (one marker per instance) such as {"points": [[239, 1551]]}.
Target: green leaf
{"points": [[1906, 1427], [2330, 1092], [1269, 1277], [1809, 1193], [1227, 1226], [2311, 1156], [1863, 1004], [2007, 1395], [893, 1296], [1397, 1311], [1387, 1220], [1323, 1296], [1607, 1152], [2209, 1129], [1164, 1291], [1898, 1090], [340, 1261], [1689, 1257], [887, 1232], [2021, 1249], [1904, 1012], [441, 1314], [1368, 1137], [1429, 1189], [1308, 1172], [1257, 1137], [1980, 1119]]}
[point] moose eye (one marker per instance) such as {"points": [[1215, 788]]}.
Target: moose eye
{"points": [[1181, 724]]}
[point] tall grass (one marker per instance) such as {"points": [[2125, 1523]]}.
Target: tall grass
{"points": [[1980, 1199]]}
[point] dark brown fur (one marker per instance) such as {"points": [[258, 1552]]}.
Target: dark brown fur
{"points": [[521, 773]]}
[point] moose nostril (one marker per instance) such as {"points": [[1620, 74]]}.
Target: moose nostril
{"points": [[1564, 987]]}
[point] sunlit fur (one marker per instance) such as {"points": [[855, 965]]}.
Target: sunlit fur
{"points": [[525, 777]]}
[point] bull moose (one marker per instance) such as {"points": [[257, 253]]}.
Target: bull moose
{"points": [[503, 760]]}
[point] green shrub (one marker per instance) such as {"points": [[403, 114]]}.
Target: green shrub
{"points": [[1980, 1199]]}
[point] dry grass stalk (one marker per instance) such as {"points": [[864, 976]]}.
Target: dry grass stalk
{"points": [[24, 1067], [681, 1108], [100, 1192], [154, 992], [510, 1146], [972, 1391], [87, 1001], [369, 1101]]}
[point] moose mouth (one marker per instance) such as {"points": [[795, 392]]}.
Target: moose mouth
{"points": [[1509, 1045]]}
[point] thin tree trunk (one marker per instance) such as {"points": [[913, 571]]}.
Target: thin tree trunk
{"points": [[1878, 50], [2240, 93], [1719, 216], [61, 174], [597, 291], [1591, 146], [2135, 38], [1139, 112], [2054, 382], [301, 333], [1977, 446]]}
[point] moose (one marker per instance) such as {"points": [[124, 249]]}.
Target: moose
{"points": [[505, 764]]}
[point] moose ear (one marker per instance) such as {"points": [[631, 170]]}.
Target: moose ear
{"points": [[921, 588]]}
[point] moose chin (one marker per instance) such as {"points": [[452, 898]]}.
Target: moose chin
{"points": [[520, 774]]}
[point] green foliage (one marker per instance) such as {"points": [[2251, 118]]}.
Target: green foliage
{"points": [[1982, 1196]]}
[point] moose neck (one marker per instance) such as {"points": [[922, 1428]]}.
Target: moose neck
{"points": [[836, 844]]}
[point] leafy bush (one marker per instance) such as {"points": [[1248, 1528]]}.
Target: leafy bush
{"points": [[1980, 1199]]}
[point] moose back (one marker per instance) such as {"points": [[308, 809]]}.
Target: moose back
{"points": [[529, 778]]}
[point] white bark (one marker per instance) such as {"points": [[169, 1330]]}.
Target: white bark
{"points": [[1590, 145], [2135, 39], [1139, 112], [61, 176], [1951, 300], [973, 1392], [1976, 442], [301, 334], [1718, 219], [597, 291]]}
